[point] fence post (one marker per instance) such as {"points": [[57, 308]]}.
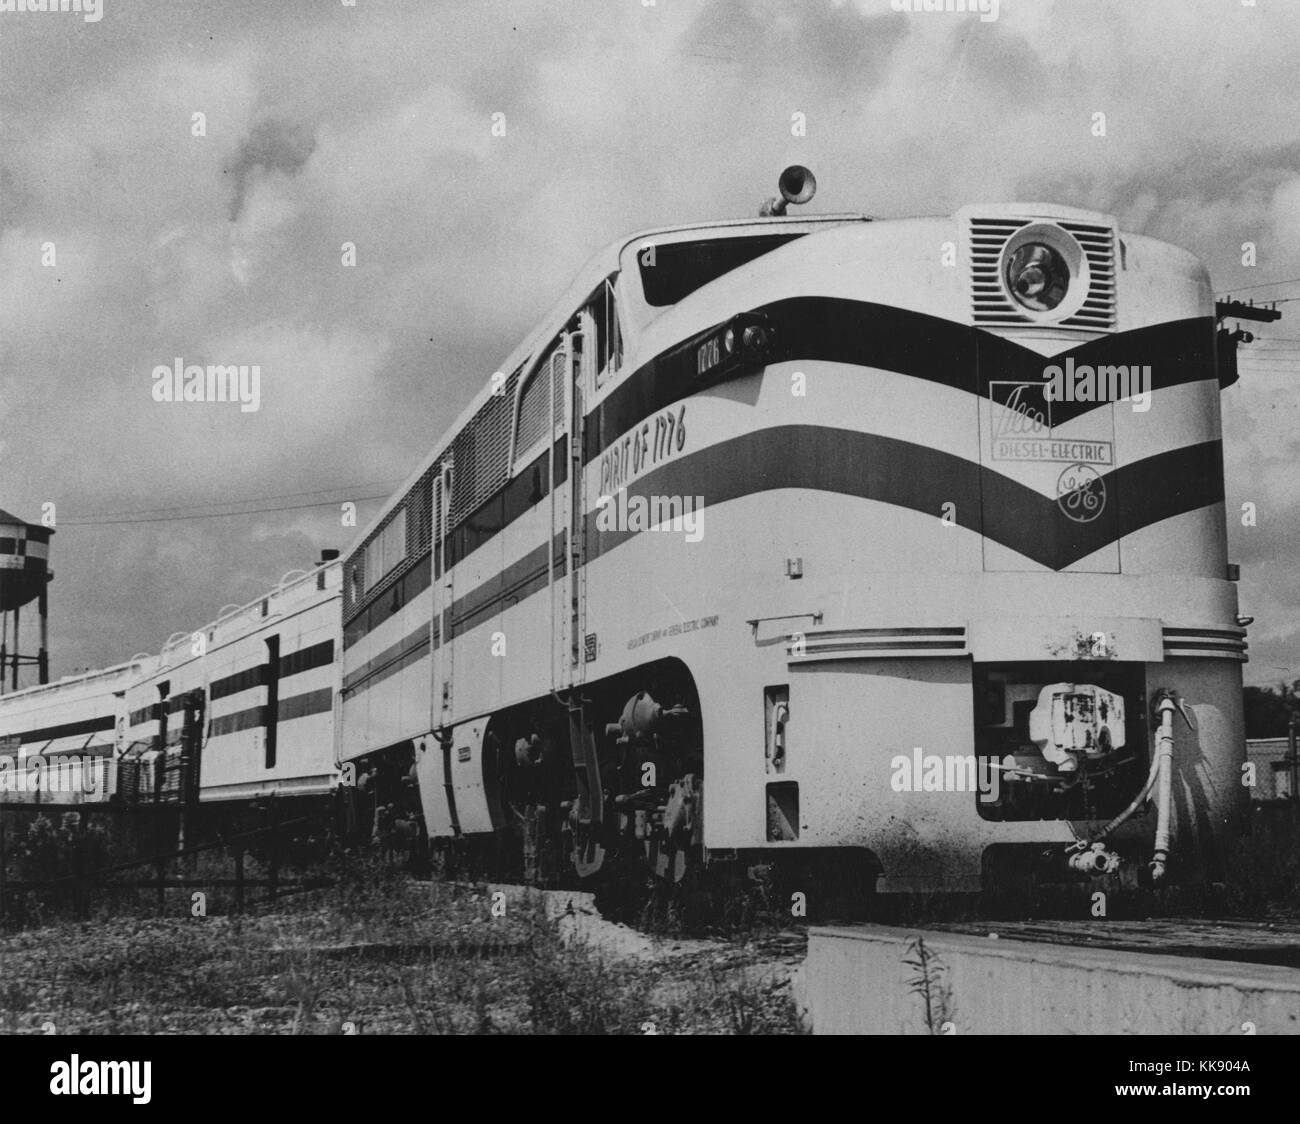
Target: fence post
{"points": [[78, 869], [2, 873], [161, 867], [239, 878], [274, 848]]}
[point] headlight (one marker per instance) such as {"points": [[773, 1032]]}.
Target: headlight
{"points": [[1037, 276], [742, 343]]}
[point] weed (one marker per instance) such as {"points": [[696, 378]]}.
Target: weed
{"points": [[930, 984]]}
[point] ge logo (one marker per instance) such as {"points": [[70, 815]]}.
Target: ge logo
{"points": [[1080, 493]]}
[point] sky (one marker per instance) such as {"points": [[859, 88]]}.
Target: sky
{"points": [[221, 239]]}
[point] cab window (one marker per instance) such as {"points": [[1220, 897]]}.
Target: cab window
{"points": [[673, 271]]}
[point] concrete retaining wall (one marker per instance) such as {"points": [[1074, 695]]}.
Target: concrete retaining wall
{"points": [[855, 982]]}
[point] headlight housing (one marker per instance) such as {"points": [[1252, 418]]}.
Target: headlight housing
{"points": [[1036, 276], [1044, 273]]}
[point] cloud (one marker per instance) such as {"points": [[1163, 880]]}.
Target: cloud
{"points": [[1284, 211], [271, 146], [371, 125]]}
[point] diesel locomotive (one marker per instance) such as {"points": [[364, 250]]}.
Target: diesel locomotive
{"points": [[891, 547], [901, 540]]}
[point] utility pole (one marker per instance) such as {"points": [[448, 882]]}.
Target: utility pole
{"points": [[1293, 762], [1226, 342], [1240, 310]]}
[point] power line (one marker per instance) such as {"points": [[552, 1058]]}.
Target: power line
{"points": [[1261, 285], [215, 514], [249, 499]]}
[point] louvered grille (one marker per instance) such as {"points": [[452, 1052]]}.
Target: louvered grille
{"points": [[354, 580], [533, 410], [419, 515], [481, 455], [1098, 243], [991, 304], [559, 362]]}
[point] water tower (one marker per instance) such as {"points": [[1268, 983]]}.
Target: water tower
{"points": [[24, 577]]}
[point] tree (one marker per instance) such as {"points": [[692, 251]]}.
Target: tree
{"points": [[1267, 712]]}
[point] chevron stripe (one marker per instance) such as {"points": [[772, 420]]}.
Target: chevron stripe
{"points": [[908, 343], [852, 463]]}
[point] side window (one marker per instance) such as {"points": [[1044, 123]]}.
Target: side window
{"points": [[609, 337], [677, 269]]}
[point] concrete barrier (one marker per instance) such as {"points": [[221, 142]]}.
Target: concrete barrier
{"points": [[856, 981]]}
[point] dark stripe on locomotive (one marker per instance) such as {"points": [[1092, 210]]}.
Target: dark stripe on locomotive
{"points": [[908, 343], [299, 706], [67, 730], [869, 466], [295, 663], [254, 716], [305, 659], [392, 659], [306, 704]]}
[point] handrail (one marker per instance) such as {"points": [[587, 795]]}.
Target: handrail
{"points": [[231, 609], [562, 350], [291, 573], [172, 640]]}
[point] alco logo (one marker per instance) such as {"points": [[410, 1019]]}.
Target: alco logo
{"points": [[1020, 421]]}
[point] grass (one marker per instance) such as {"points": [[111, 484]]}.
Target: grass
{"points": [[375, 954], [1265, 864]]}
